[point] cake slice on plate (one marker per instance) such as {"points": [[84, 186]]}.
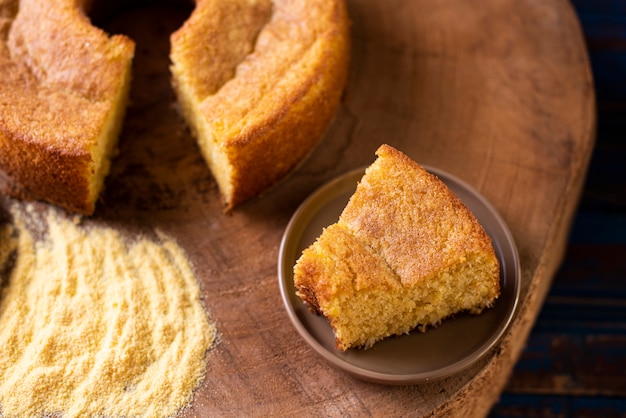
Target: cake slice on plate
{"points": [[405, 253]]}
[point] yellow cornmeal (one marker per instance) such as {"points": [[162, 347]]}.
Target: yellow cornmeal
{"points": [[93, 324]]}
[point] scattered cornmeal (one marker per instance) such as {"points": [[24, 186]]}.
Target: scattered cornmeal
{"points": [[95, 324], [404, 254]]}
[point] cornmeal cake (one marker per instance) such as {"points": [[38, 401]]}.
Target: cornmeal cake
{"points": [[258, 82], [63, 91], [405, 253]]}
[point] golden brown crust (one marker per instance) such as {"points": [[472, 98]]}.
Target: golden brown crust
{"points": [[265, 77], [423, 209], [405, 253], [59, 92], [266, 109]]}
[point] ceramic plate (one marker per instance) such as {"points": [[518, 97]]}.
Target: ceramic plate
{"points": [[416, 357]]}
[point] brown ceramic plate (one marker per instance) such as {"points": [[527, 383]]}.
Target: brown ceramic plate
{"points": [[416, 357]]}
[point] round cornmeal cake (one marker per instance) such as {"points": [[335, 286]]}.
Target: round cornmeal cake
{"points": [[257, 82]]}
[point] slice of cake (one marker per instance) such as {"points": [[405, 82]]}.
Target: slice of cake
{"points": [[406, 253]]}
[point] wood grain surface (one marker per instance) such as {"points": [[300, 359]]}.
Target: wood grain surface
{"points": [[497, 92]]}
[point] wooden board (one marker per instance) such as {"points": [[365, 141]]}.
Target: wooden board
{"points": [[498, 93]]}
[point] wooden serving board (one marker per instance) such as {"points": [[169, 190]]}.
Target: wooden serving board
{"points": [[498, 93]]}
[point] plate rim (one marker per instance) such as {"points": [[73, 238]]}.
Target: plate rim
{"points": [[353, 176]]}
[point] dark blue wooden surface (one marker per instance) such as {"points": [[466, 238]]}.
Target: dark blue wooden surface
{"points": [[574, 363]]}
